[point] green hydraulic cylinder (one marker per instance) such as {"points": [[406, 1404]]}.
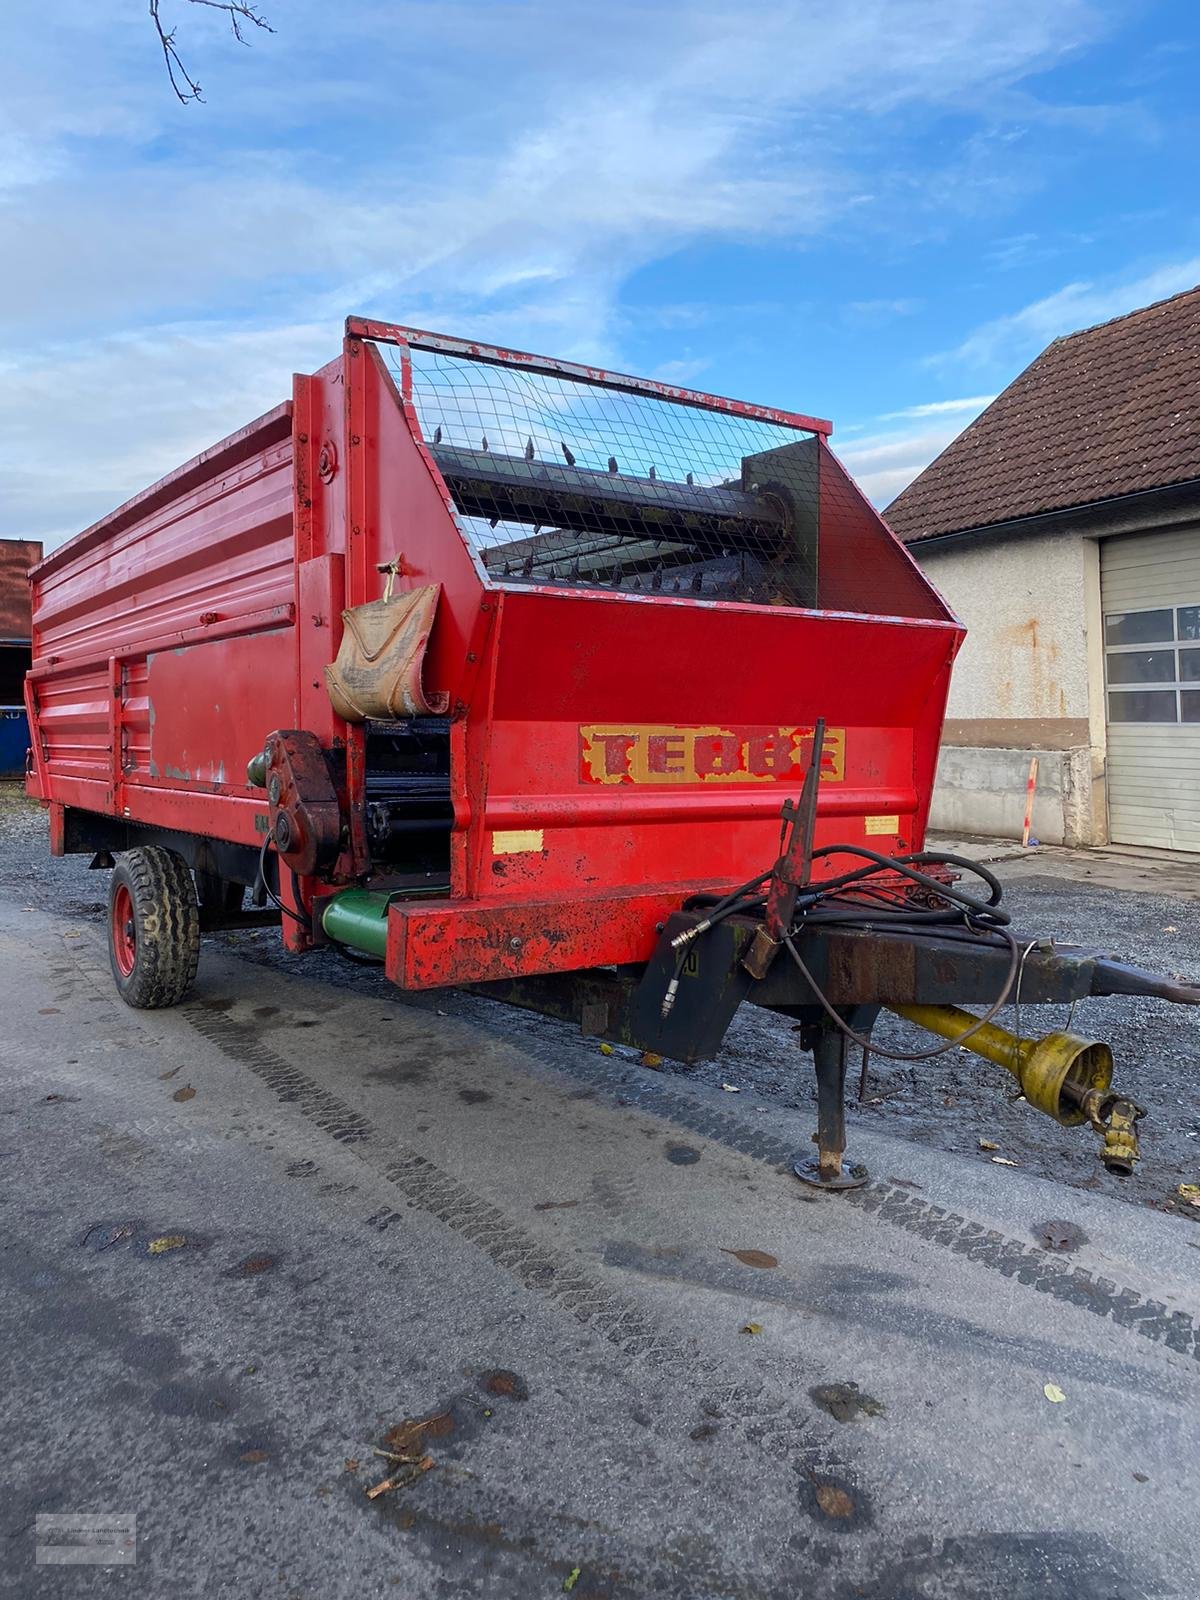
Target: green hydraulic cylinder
{"points": [[358, 917]]}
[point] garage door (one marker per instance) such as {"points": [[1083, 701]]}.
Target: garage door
{"points": [[1150, 592]]}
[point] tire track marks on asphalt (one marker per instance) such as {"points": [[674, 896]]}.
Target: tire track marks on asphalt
{"points": [[986, 1247], [779, 1429]]}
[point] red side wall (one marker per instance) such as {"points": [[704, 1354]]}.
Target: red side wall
{"points": [[160, 649]]}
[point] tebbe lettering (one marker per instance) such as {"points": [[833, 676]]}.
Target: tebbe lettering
{"points": [[720, 754], [641, 753], [665, 753], [616, 751]]}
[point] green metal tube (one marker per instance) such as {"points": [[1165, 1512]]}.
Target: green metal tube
{"points": [[358, 917]]}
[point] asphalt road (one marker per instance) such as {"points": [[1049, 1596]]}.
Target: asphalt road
{"points": [[247, 1241]]}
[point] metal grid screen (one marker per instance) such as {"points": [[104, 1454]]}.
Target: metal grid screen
{"points": [[558, 481]]}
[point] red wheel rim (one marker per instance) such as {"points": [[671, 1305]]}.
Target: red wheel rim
{"points": [[124, 931]]}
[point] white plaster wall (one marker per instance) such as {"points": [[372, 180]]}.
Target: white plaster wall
{"points": [[1023, 603], [1027, 603]]}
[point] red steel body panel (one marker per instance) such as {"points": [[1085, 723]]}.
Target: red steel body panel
{"points": [[611, 752]]}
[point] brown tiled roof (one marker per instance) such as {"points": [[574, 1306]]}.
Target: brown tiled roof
{"points": [[1109, 411], [16, 558]]}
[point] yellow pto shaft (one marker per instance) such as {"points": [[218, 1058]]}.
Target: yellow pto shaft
{"points": [[1066, 1077]]}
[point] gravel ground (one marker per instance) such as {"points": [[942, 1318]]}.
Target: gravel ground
{"points": [[951, 1102]]}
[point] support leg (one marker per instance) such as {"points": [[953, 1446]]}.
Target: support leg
{"points": [[828, 1170]]}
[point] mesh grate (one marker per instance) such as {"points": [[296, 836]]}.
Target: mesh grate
{"points": [[562, 482]]}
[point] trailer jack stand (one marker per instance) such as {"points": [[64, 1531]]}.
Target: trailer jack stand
{"points": [[827, 1169]]}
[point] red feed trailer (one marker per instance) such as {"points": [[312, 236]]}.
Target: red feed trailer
{"points": [[589, 630]]}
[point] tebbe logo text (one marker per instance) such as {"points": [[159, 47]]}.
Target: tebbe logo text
{"points": [[652, 753]]}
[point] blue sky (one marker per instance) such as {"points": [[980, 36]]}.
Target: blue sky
{"points": [[876, 210]]}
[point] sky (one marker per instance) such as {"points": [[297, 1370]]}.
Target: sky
{"points": [[877, 211]]}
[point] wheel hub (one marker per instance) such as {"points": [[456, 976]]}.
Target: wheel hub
{"points": [[124, 931]]}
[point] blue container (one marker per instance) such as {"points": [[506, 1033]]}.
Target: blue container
{"points": [[14, 741]]}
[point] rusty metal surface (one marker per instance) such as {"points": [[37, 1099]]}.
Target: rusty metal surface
{"points": [[306, 820], [17, 558], [435, 944]]}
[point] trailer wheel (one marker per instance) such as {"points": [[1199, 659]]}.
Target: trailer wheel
{"points": [[153, 927]]}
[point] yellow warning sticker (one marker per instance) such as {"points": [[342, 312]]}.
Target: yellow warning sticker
{"points": [[516, 841], [882, 824]]}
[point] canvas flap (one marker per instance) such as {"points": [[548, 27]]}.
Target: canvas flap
{"points": [[380, 662]]}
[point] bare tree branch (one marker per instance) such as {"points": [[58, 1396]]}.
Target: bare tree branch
{"points": [[239, 12]]}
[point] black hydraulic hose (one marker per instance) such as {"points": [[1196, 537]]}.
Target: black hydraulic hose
{"points": [[811, 902], [988, 911], [287, 911], [305, 922], [851, 899]]}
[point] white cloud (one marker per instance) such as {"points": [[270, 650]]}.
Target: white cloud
{"points": [[938, 408], [1023, 334], [885, 462], [685, 371], [883, 465], [196, 257], [129, 408], [871, 311]]}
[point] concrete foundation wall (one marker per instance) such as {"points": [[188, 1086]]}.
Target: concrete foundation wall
{"points": [[983, 791]]}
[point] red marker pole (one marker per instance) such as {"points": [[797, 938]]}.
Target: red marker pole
{"points": [[1030, 788]]}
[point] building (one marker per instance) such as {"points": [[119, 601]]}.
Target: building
{"points": [[16, 558], [1063, 526]]}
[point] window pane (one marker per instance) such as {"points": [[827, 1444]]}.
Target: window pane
{"points": [[1139, 627], [1143, 666], [1189, 666], [1142, 705], [1189, 622], [1190, 700]]}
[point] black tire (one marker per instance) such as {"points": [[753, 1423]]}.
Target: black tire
{"points": [[153, 927], [219, 898]]}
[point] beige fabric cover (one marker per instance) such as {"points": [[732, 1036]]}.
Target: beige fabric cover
{"points": [[378, 668]]}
